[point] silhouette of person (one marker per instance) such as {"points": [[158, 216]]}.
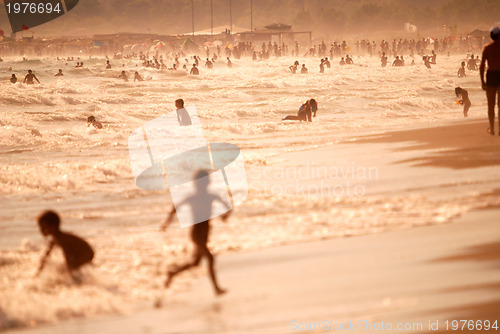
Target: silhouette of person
{"points": [[491, 54], [460, 92], [201, 205], [77, 251]]}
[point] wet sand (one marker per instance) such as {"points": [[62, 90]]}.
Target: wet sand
{"points": [[410, 277]]}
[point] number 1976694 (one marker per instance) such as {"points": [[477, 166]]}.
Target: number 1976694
{"points": [[472, 325], [32, 8]]}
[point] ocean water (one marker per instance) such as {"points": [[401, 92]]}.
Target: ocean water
{"points": [[50, 159]]}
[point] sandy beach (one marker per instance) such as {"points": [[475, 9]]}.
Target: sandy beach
{"points": [[406, 275], [435, 273]]}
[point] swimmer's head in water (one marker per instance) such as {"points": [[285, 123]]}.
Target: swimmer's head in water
{"points": [[494, 33], [90, 119]]}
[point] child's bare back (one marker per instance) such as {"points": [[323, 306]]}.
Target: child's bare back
{"points": [[77, 251]]}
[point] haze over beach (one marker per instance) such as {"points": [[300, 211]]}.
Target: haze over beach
{"points": [[376, 211]]}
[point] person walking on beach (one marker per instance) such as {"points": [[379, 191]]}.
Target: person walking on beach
{"points": [[182, 114], [491, 54], [77, 251], [201, 206], [28, 79], [460, 92]]}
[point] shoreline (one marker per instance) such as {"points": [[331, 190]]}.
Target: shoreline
{"points": [[411, 276], [392, 153]]}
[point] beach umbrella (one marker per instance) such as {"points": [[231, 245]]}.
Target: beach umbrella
{"points": [[189, 45]]}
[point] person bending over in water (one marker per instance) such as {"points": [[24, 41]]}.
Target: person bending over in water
{"points": [[59, 74], [460, 92], [77, 251], [201, 203], [13, 79], [304, 113], [123, 76], [461, 71], [92, 121], [491, 55], [28, 79]]}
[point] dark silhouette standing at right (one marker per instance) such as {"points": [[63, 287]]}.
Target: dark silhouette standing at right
{"points": [[491, 54], [201, 206]]}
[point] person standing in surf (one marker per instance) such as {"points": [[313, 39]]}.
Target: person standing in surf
{"points": [[201, 205], [460, 92], [491, 55], [28, 79]]}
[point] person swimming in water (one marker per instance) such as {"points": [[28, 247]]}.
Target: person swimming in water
{"points": [[209, 64], [92, 121], [108, 65], [460, 92], [383, 60], [491, 55], [322, 66], [471, 64], [303, 70], [13, 79], [461, 71], [123, 76], [194, 70], [427, 63], [59, 73], [137, 77], [28, 79]]}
